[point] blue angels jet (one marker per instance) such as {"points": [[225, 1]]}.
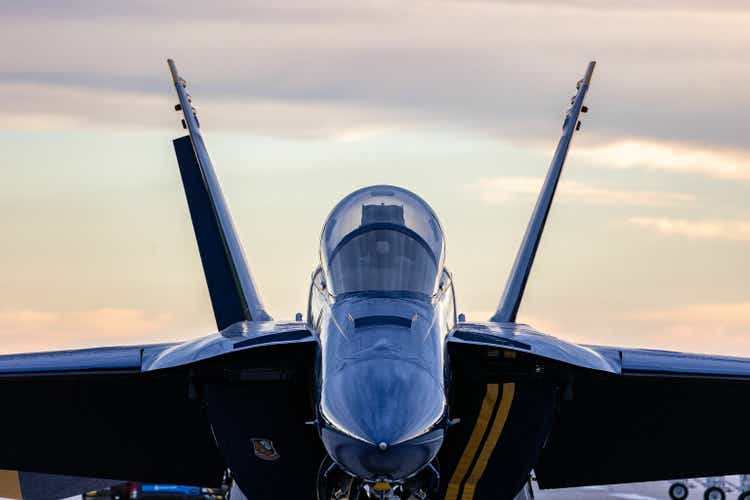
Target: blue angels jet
{"points": [[382, 391]]}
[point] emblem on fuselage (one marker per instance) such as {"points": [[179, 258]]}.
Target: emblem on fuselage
{"points": [[264, 449]]}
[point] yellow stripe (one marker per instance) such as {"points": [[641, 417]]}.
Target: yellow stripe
{"points": [[501, 417], [483, 420], [10, 487]]}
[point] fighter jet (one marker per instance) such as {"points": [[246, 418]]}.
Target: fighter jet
{"points": [[383, 390]]}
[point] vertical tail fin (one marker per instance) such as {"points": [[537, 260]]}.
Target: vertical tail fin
{"points": [[519, 275], [234, 296]]}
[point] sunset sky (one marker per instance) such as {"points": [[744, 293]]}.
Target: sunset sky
{"points": [[301, 103]]}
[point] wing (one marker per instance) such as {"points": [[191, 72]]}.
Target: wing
{"points": [[140, 412], [469, 339], [234, 295], [667, 415], [621, 415], [94, 413]]}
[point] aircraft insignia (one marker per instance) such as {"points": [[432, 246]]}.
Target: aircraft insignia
{"points": [[264, 449]]}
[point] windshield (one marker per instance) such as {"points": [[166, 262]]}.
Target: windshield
{"points": [[383, 239]]}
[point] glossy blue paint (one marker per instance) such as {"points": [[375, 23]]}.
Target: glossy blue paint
{"points": [[244, 285], [396, 369], [226, 300], [368, 461], [507, 309], [523, 338], [382, 305], [102, 358], [653, 362], [231, 339]]}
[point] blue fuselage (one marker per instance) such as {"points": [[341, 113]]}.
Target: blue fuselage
{"points": [[382, 389], [382, 305]]}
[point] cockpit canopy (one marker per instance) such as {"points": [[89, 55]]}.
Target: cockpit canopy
{"points": [[382, 239]]}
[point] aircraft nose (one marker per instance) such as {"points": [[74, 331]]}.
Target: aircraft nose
{"points": [[383, 400], [384, 408], [374, 462]]}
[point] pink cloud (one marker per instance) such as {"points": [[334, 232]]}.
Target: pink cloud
{"points": [[710, 328], [499, 190], [32, 330], [699, 229], [720, 328], [720, 163]]}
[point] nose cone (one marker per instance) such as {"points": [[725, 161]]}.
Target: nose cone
{"points": [[382, 410], [373, 462], [383, 400]]}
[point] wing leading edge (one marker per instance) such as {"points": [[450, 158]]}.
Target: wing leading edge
{"points": [[107, 422], [669, 415], [138, 412], [626, 415]]}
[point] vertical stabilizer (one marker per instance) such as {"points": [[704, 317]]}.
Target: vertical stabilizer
{"points": [[234, 296], [519, 275]]}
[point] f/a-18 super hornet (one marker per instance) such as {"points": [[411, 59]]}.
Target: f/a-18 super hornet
{"points": [[382, 391]]}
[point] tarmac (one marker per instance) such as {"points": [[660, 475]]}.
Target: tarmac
{"points": [[635, 491]]}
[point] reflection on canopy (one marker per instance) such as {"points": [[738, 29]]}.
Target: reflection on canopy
{"points": [[382, 239]]}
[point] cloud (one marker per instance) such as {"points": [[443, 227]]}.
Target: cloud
{"points": [[700, 229], [635, 5], [16, 320], [499, 190], [38, 106], [719, 328], [499, 68], [118, 323], [712, 327], [731, 314], [695, 327], [188, 9], [29, 329], [678, 158], [35, 106]]}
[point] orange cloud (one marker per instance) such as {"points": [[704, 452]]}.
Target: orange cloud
{"points": [[498, 190], [701, 229], [31, 330], [671, 157], [711, 327]]}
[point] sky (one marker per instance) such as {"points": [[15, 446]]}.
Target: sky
{"points": [[301, 103]]}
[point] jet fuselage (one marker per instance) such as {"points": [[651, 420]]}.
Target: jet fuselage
{"points": [[383, 305]]}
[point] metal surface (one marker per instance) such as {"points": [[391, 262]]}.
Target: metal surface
{"points": [[519, 274], [244, 279], [158, 356], [523, 338], [102, 358], [652, 362], [233, 339], [382, 342]]}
